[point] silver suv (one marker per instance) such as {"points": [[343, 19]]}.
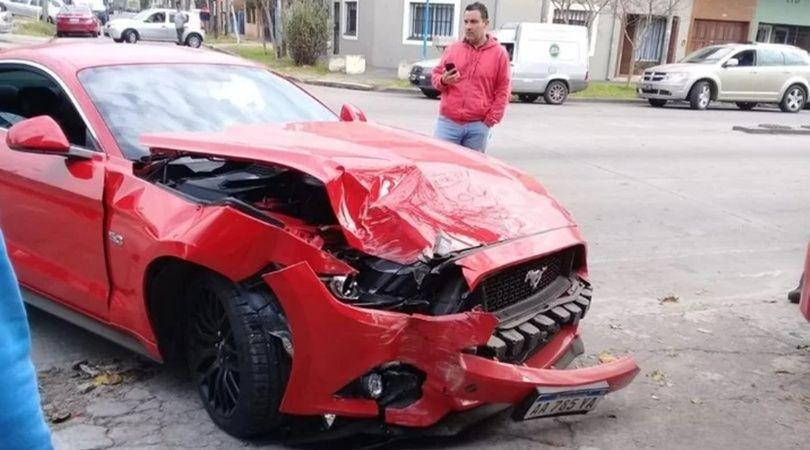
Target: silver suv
{"points": [[746, 74]]}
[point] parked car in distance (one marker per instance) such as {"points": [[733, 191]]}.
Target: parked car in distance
{"points": [[547, 59], [77, 19], [33, 8], [745, 74], [156, 24], [5, 19], [100, 8]]}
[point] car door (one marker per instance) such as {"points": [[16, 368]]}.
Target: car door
{"points": [[737, 82], [33, 8], [153, 26], [18, 7], [171, 33], [772, 73], [51, 209]]}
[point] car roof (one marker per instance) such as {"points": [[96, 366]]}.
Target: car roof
{"points": [[68, 58], [753, 45]]}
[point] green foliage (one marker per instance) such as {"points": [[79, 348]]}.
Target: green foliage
{"points": [[306, 29], [33, 28]]}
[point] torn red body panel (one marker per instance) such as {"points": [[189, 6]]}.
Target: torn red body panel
{"points": [[397, 195], [327, 331], [804, 303]]}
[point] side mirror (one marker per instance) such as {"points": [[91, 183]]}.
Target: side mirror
{"points": [[39, 134], [351, 113], [733, 62]]}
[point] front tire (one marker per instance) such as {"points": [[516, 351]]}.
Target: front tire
{"points": [[700, 96], [556, 93], [194, 41], [794, 100], [657, 102], [430, 93], [240, 370], [130, 36]]}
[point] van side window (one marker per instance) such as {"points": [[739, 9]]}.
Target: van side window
{"points": [[746, 58], [795, 59], [26, 93], [510, 48], [769, 57]]}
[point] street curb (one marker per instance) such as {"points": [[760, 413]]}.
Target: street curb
{"points": [[370, 87], [605, 100]]}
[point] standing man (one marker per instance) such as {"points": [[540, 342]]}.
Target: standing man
{"points": [[475, 83], [179, 23]]}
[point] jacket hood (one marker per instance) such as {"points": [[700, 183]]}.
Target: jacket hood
{"points": [[397, 195]]}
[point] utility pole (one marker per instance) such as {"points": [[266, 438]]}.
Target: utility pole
{"points": [[425, 22], [545, 10], [235, 25]]}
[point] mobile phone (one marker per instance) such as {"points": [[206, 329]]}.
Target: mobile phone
{"points": [[449, 67]]}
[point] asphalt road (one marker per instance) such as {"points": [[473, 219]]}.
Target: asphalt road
{"points": [[674, 204]]}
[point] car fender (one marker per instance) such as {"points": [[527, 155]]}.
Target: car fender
{"points": [[145, 224], [795, 79]]}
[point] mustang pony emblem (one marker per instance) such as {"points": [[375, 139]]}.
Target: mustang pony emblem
{"points": [[533, 277]]}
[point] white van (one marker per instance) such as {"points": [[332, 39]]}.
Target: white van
{"points": [[547, 59]]}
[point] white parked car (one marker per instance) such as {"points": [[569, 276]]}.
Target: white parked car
{"points": [[156, 24], [745, 74], [32, 8]]}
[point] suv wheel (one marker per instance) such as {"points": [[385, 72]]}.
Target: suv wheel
{"points": [[239, 369], [700, 96], [657, 102], [430, 93], [794, 99]]}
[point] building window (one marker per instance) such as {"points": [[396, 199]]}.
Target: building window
{"points": [[350, 26], [572, 17], [650, 39], [440, 18]]}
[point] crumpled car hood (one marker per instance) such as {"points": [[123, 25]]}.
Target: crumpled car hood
{"points": [[397, 195]]}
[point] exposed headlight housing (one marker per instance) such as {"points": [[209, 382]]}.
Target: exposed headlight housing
{"points": [[343, 287]]}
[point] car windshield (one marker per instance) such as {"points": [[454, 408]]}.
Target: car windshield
{"points": [[708, 55], [75, 9], [143, 14], [141, 99]]}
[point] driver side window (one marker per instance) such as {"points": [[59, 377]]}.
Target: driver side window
{"points": [[26, 93], [157, 18], [746, 58]]}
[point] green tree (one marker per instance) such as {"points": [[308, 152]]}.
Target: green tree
{"points": [[306, 30]]}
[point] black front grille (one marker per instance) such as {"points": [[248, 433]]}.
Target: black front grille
{"points": [[654, 76], [520, 282]]}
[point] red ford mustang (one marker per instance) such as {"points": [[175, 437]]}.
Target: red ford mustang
{"points": [[184, 202]]}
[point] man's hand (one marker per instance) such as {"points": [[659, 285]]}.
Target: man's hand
{"points": [[451, 77]]}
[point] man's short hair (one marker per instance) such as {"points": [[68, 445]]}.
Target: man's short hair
{"points": [[480, 7]]}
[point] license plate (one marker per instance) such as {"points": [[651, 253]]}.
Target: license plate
{"points": [[555, 402], [648, 87], [73, 20]]}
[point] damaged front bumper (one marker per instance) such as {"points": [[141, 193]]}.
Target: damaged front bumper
{"points": [[335, 344]]}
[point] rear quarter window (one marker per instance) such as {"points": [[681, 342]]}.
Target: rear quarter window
{"points": [[795, 59]]}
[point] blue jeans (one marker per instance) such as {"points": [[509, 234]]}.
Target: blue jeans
{"points": [[473, 135]]}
